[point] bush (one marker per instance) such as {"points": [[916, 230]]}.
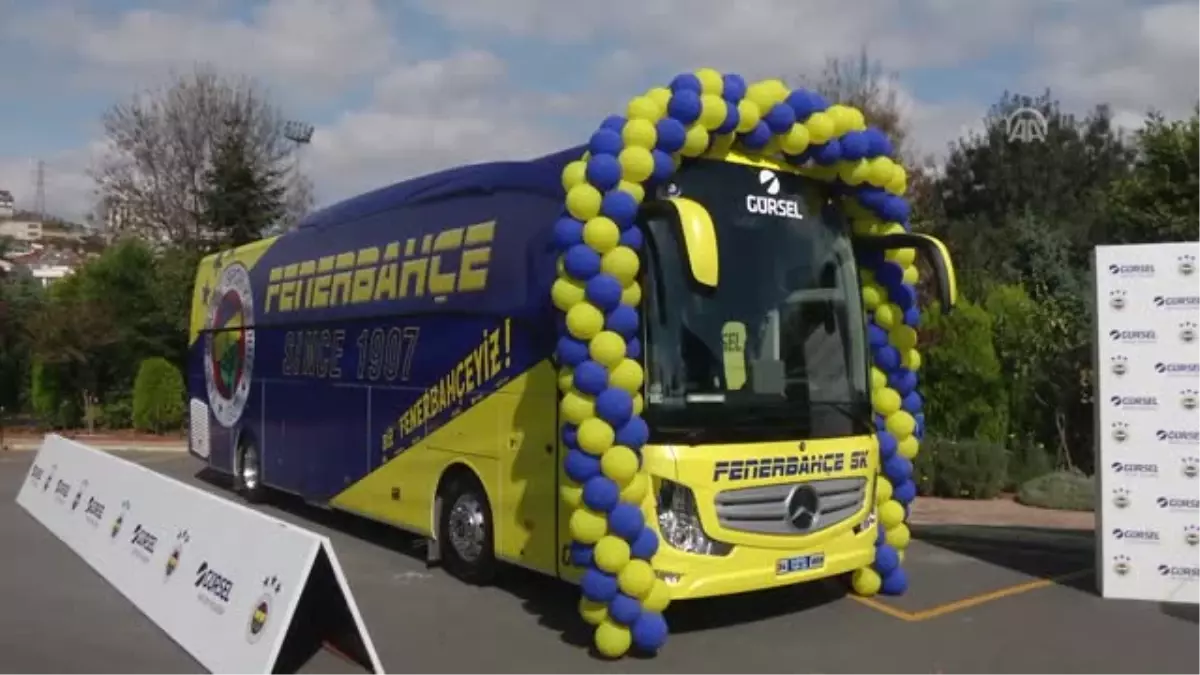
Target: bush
{"points": [[1027, 460], [965, 469], [961, 379], [51, 406], [117, 413], [157, 396], [1063, 490]]}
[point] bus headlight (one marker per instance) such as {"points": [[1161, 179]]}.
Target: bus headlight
{"points": [[679, 521]]}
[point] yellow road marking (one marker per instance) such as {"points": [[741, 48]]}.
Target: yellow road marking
{"points": [[967, 602]]}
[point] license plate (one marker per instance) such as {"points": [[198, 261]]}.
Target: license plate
{"points": [[800, 563]]}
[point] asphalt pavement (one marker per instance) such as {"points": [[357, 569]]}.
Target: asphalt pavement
{"points": [[982, 600]]}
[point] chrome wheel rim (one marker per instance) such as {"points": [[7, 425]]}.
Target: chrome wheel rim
{"points": [[467, 527], [250, 468]]}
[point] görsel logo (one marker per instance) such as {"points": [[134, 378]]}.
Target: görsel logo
{"points": [[1177, 301], [1119, 365], [1136, 401], [1179, 503], [1177, 369], [1116, 299], [769, 181], [1136, 336], [1178, 436], [1120, 432], [1136, 535], [1134, 270], [1187, 265], [1135, 469]]}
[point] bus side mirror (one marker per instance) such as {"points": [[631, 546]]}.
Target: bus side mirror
{"points": [[695, 223], [931, 248]]}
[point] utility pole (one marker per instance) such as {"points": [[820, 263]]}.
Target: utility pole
{"points": [[39, 199]]}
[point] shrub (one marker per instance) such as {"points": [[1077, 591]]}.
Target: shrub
{"points": [[961, 379], [117, 413], [51, 406], [1027, 460], [157, 396], [1064, 490], [965, 469]]}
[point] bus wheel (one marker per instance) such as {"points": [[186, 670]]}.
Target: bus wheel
{"points": [[249, 474], [465, 534]]}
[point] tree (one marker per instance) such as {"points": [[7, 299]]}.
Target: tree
{"points": [[161, 144], [1158, 200], [239, 200]]}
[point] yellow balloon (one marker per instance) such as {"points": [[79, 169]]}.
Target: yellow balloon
{"points": [[621, 262], [593, 612], [661, 96], [710, 81], [612, 639], [857, 122], [588, 526], [607, 348], [885, 401], [611, 554], [771, 148], [631, 295], [911, 359], [887, 316], [712, 111], [595, 436], [911, 275], [865, 582], [577, 406], [565, 293], [574, 173], [908, 447], [583, 202], [633, 189], [900, 424], [902, 256], [898, 537], [602, 234], [898, 184], [639, 133], [571, 494], [658, 598], [636, 579], [566, 378], [903, 337], [635, 492], [853, 172], [867, 276], [584, 320], [695, 142], [820, 128], [796, 140], [639, 404], [636, 164], [749, 115], [883, 489], [620, 464], [881, 171], [891, 513], [644, 108], [627, 376], [878, 378]]}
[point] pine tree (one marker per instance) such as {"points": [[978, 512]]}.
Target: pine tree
{"points": [[239, 200]]}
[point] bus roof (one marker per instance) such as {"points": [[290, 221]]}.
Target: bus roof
{"points": [[540, 175]]}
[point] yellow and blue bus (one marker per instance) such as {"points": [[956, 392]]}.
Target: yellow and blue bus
{"points": [[405, 356]]}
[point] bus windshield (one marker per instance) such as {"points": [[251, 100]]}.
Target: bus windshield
{"points": [[778, 350]]}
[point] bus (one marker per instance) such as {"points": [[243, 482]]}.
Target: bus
{"points": [[394, 357]]}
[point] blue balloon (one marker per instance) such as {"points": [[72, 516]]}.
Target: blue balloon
{"points": [[880, 422], [664, 167], [818, 102], [887, 358], [876, 336], [897, 469], [590, 377], [603, 291], [603, 172], [686, 82], [886, 560], [684, 106], [570, 435], [757, 138], [889, 275], [580, 466], [598, 586], [895, 583], [854, 145], [571, 352], [605, 142], [878, 143], [649, 632], [780, 118], [801, 104], [614, 123], [634, 433], [905, 492], [796, 159], [887, 444], [614, 406], [912, 403], [624, 609], [633, 348], [601, 493], [633, 238], [626, 521], [871, 197], [567, 233], [622, 320], [734, 87], [912, 316], [645, 546], [581, 554], [904, 295], [620, 207], [902, 380], [671, 134], [732, 117], [894, 208], [919, 432], [581, 262], [880, 536], [827, 153]]}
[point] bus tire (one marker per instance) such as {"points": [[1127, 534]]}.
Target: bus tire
{"points": [[466, 531], [249, 472]]}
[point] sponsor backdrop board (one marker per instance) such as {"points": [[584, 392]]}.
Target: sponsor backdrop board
{"points": [[1148, 435], [224, 581]]}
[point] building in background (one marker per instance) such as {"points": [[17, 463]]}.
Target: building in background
{"points": [[21, 230], [7, 205]]}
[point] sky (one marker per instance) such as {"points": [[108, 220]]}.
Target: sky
{"points": [[398, 88]]}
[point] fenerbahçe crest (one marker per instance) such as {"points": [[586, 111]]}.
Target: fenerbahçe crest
{"points": [[229, 346]]}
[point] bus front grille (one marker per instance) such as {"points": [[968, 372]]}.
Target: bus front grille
{"points": [[765, 509]]}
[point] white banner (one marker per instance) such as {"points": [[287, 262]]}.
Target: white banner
{"points": [[222, 580], [1148, 436]]}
